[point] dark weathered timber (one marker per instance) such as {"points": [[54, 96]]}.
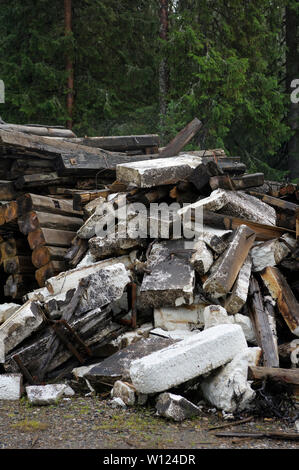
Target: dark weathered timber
{"points": [[275, 201], [42, 255], [201, 175], [11, 212], [34, 202], [18, 264], [49, 270], [287, 376], [120, 143], [48, 236], [181, 139], [34, 220], [13, 247], [237, 182], [82, 198], [76, 252], [262, 326], [40, 180], [17, 285], [8, 191], [45, 131], [287, 303], [226, 222]]}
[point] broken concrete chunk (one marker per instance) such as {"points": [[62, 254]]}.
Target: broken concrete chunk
{"points": [[238, 297], [101, 248], [230, 263], [228, 388], [270, 253], [117, 403], [202, 259], [10, 386], [104, 287], [19, 326], [161, 171], [187, 359], [179, 318], [125, 391], [6, 310], [175, 407], [116, 367], [46, 394], [131, 337], [216, 315], [171, 281], [70, 279], [236, 204]]}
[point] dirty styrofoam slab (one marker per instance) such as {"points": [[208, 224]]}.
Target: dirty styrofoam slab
{"points": [[187, 359], [10, 386], [47, 394], [116, 366], [186, 317], [160, 171], [227, 388]]}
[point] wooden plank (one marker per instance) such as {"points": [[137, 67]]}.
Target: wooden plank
{"points": [[34, 220], [40, 180], [261, 435], [43, 255], [261, 322], [82, 198], [18, 264], [11, 212], [226, 222], [181, 139], [120, 143], [13, 247], [39, 130], [297, 225], [280, 291], [47, 236], [49, 270], [237, 182], [276, 202], [287, 376], [7, 191], [33, 202]]}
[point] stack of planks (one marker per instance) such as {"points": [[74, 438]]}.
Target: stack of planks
{"points": [[50, 226]]}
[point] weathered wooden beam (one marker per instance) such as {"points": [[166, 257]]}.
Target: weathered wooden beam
{"points": [[120, 143], [8, 191], [181, 139], [11, 212], [48, 236], [42, 255], [219, 283], [226, 222], [34, 220], [280, 291], [34, 202], [18, 264], [262, 325], [237, 182], [82, 198], [49, 270], [39, 130], [287, 376], [276, 202], [39, 180]]}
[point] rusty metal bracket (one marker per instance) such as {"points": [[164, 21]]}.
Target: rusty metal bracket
{"points": [[24, 370], [58, 328]]}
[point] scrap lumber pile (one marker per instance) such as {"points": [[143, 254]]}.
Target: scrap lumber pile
{"points": [[177, 271]]}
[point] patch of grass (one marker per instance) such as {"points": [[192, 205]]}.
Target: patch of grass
{"points": [[29, 426]]}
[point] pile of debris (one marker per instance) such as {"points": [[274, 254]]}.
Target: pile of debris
{"points": [[154, 307]]}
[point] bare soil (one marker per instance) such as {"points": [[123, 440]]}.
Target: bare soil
{"points": [[91, 423]]}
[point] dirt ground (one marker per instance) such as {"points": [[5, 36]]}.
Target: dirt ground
{"points": [[91, 423]]}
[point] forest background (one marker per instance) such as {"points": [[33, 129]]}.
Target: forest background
{"points": [[121, 67]]}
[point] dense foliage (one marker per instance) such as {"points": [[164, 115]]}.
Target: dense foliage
{"points": [[226, 65]]}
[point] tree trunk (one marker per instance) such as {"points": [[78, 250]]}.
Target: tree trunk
{"points": [[292, 65], [69, 63], [163, 68]]}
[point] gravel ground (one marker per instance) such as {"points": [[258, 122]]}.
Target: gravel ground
{"points": [[91, 423]]}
